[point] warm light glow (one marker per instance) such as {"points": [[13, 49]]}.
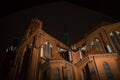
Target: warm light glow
{"points": [[109, 49], [70, 55], [42, 52], [80, 54]]}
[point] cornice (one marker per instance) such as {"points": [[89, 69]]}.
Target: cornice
{"points": [[106, 55], [91, 56], [56, 62]]}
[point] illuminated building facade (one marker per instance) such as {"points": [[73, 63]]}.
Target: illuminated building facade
{"points": [[42, 57]]}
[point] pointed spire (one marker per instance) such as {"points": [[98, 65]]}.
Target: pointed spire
{"points": [[66, 37]]}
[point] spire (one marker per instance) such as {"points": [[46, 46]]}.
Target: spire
{"points": [[66, 37]]}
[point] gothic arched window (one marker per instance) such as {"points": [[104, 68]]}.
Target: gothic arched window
{"points": [[115, 36], [69, 76], [48, 49], [44, 50], [107, 70], [41, 51], [97, 45], [57, 74]]}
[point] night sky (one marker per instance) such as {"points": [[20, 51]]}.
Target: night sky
{"points": [[78, 17]]}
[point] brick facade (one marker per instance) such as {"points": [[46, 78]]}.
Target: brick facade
{"points": [[42, 57]]}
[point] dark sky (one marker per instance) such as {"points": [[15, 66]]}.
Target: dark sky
{"points": [[78, 17]]}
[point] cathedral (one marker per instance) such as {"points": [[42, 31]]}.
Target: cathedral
{"points": [[40, 56]]}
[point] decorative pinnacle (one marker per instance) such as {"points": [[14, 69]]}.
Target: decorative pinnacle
{"points": [[37, 22]]}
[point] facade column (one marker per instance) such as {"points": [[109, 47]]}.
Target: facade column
{"points": [[40, 75], [19, 66], [34, 64], [75, 73], [95, 68], [82, 75], [85, 74], [61, 73]]}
